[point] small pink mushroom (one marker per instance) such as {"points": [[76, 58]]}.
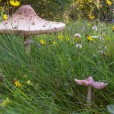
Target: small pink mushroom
{"points": [[90, 82]]}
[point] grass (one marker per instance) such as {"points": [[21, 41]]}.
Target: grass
{"points": [[52, 68]]}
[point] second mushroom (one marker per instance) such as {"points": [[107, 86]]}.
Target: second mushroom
{"points": [[89, 82]]}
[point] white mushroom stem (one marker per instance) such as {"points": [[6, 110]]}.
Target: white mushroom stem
{"points": [[27, 43], [89, 96]]}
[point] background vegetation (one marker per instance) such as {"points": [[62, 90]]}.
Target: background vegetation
{"points": [[42, 82], [51, 69], [69, 9]]}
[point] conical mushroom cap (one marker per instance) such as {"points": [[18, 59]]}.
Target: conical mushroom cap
{"points": [[27, 22]]}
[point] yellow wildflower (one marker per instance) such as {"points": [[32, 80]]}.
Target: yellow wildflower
{"points": [[5, 102], [67, 39], [17, 83], [5, 17], [28, 82], [109, 2], [14, 3], [53, 42], [60, 37], [1, 8], [89, 38], [113, 28], [88, 24], [91, 16], [43, 42]]}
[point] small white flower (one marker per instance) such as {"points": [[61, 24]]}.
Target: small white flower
{"points": [[101, 52], [77, 35], [113, 11], [95, 36], [94, 28], [79, 46]]}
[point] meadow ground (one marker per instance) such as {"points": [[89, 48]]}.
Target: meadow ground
{"points": [[43, 81]]}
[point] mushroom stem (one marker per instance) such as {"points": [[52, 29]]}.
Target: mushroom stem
{"points": [[27, 44], [89, 97]]}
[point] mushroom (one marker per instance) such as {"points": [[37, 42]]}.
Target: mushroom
{"points": [[90, 82], [26, 22]]}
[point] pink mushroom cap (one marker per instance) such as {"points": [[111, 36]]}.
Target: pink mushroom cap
{"points": [[90, 82]]}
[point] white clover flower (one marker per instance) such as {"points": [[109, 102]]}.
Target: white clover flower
{"points": [[95, 28], [79, 46], [77, 35]]}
